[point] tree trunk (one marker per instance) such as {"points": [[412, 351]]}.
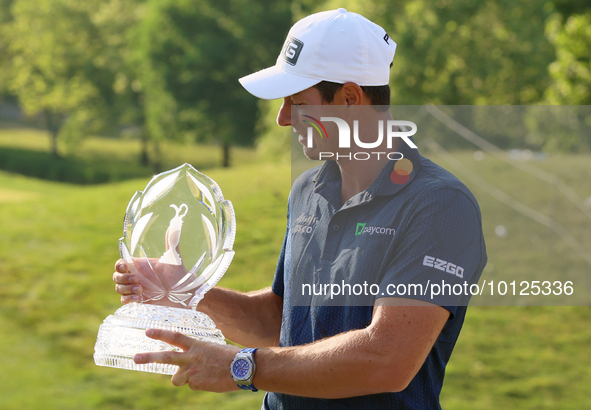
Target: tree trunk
{"points": [[53, 124], [54, 150], [225, 154], [144, 157], [157, 161]]}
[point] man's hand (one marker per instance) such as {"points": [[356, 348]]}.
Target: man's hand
{"points": [[250, 319], [127, 284], [157, 282], [203, 366]]}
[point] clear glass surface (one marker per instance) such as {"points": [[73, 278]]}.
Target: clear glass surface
{"points": [[122, 335], [177, 236], [177, 239]]}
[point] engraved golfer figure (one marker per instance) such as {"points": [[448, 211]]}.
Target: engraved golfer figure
{"points": [[173, 236]]}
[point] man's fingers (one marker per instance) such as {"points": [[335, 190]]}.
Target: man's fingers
{"points": [[173, 338], [125, 278], [129, 299], [174, 358], [170, 337], [128, 289], [179, 378], [121, 266]]}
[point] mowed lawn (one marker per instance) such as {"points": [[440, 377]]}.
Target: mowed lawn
{"points": [[58, 244]]}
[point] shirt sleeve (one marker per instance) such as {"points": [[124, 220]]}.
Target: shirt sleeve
{"points": [[440, 251], [278, 283], [278, 286]]}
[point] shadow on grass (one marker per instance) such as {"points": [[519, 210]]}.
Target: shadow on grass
{"points": [[74, 169]]}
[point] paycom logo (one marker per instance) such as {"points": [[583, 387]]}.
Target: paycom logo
{"points": [[362, 229]]}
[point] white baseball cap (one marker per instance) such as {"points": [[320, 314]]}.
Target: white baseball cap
{"points": [[336, 46]]}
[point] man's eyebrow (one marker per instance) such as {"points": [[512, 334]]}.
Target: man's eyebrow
{"points": [[298, 94]]}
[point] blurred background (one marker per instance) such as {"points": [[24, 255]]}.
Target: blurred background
{"points": [[98, 95]]}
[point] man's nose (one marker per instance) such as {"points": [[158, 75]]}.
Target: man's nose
{"points": [[284, 115]]}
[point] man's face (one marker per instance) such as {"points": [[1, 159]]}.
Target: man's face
{"points": [[304, 102]]}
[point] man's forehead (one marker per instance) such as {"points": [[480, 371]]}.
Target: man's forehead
{"points": [[302, 93], [308, 92]]}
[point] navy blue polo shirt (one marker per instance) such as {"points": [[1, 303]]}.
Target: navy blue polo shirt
{"points": [[417, 226]]}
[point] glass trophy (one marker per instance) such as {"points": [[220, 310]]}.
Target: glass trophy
{"points": [[177, 239]]}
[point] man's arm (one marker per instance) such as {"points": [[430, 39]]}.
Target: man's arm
{"points": [[384, 357], [249, 319]]}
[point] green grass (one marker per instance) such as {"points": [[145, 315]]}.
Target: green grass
{"points": [[521, 358], [57, 250], [58, 244]]}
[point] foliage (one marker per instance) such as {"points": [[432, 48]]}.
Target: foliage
{"points": [[5, 17], [469, 52], [115, 21], [463, 53], [273, 143], [571, 71], [571, 79], [56, 67], [168, 69], [192, 55]]}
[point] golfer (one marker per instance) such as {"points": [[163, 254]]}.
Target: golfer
{"points": [[385, 222]]}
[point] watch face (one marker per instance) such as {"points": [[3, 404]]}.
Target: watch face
{"points": [[241, 368]]}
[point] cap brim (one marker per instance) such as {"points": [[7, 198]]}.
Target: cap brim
{"points": [[272, 83]]}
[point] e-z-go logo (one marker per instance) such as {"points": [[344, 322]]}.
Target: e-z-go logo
{"points": [[390, 130]]}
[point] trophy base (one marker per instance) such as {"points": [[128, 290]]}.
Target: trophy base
{"points": [[122, 335]]}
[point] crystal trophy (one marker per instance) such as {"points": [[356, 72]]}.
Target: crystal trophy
{"points": [[177, 239]]}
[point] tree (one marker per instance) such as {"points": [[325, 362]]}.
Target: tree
{"points": [[116, 21], [54, 70], [571, 83], [473, 52], [571, 72], [5, 18], [190, 56]]}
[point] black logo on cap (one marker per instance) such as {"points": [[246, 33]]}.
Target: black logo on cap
{"points": [[291, 50]]}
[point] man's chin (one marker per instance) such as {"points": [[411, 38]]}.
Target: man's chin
{"points": [[311, 154], [314, 155]]}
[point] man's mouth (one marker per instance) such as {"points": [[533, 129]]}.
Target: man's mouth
{"points": [[302, 139]]}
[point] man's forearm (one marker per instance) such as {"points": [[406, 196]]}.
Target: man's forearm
{"points": [[384, 357], [341, 366], [250, 319]]}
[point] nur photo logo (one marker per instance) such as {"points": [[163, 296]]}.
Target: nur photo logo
{"points": [[387, 131], [316, 124]]}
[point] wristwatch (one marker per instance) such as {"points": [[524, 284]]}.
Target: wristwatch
{"points": [[242, 369]]}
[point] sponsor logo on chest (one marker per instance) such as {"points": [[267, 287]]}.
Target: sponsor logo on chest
{"points": [[363, 229], [305, 224]]}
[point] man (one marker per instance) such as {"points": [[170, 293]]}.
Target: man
{"points": [[392, 352]]}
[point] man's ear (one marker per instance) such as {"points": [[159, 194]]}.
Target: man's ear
{"points": [[351, 94]]}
